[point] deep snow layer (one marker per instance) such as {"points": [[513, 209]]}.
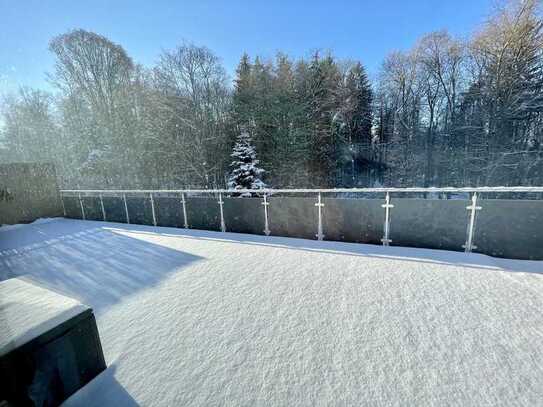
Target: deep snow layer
{"points": [[206, 318]]}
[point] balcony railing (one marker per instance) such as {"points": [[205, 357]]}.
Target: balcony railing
{"points": [[473, 196]]}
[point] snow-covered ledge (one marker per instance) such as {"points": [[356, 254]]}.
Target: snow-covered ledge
{"points": [[28, 311], [49, 344]]}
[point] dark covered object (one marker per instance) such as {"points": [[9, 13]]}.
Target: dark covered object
{"points": [[43, 362]]}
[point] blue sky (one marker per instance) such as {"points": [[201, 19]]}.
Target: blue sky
{"points": [[363, 30]]}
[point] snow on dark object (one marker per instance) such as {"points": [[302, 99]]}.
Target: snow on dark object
{"points": [[245, 171], [29, 311], [49, 345]]}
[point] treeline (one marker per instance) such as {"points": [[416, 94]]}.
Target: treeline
{"points": [[466, 113], [447, 112], [309, 120], [113, 123]]}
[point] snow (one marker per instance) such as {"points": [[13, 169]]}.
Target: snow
{"points": [[205, 318], [5, 228], [27, 311]]}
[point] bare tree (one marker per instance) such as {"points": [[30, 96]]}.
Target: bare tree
{"points": [[95, 76], [195, 98], [92, 65], [30, 130], [508, 68]]}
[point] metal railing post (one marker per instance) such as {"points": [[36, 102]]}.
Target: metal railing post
{"points": [[473, 208], [266, 225], [103, 210], [185, 221], [153, 208], [319, 205], [386, 227], [63, 206], [126, 209], [223, 226], [82, 208]]}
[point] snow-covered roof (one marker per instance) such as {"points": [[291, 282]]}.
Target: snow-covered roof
{"points": [[191, 317]]}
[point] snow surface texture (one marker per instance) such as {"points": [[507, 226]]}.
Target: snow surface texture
{"points": [[5, 228], [205, 318], [27, 311]]}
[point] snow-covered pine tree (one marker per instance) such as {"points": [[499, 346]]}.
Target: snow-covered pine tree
{"points": [[245, 172]]}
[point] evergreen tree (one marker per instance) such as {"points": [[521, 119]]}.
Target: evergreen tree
{"points": [[358, 118], [243, 96], [245, 172], [326, 142], [360, 98]]}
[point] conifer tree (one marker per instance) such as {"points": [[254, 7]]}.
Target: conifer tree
{"points": [[244, 95], [245, 172]]}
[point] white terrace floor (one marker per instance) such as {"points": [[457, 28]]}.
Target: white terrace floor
{"points": [[203, 318]]}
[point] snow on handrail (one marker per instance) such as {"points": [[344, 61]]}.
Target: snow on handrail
{"points": [[305, 190]]}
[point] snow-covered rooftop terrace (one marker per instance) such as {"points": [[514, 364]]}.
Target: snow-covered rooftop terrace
{"points": [[204, 318]]}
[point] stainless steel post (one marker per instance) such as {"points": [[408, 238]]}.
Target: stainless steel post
{"points": [[153, 209], [185, 220], [223, 226], [473, 208], [319, 205], [82, 208], [126, 209], [266, 225], [386, 227], [102, 206]]}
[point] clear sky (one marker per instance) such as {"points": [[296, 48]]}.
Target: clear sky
{"points": [[364, 30]]}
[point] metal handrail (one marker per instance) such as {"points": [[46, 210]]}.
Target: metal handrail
{"points": [[308, 190], [264, 193]]}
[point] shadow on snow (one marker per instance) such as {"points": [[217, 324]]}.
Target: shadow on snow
{"points": [[87, 261], [418, 255]]}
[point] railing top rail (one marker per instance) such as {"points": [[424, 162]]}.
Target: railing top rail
{"points": [[307, 190]]}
